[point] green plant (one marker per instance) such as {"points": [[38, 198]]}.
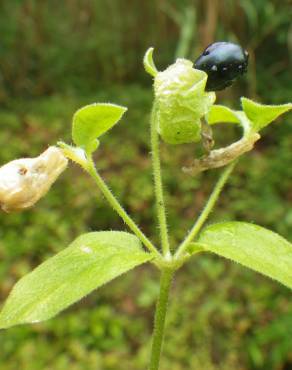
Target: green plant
{"points": [[95, 258]]}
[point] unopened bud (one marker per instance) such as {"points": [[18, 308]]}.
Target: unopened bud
{"points": [[182, 102], [24, 181]]}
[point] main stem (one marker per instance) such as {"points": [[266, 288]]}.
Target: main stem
{"points": [[118, 208], [161, 213], [159, 320], [207, 210]]}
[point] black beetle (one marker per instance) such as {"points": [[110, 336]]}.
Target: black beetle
{"points": [[223, 62]]}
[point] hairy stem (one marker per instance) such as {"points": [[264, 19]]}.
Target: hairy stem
{"points": [[119, 209], [158, 182], [207, 210], [159, 320]]}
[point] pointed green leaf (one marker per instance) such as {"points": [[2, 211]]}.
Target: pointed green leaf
{"points": [[90, 261], [92, 121], [262, 115], [252, 246], [149, 64], [220, 113]]}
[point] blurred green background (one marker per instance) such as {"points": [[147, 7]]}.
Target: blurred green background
{"points": [[56, 56]]}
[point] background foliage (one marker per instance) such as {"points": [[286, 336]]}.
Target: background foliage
{"points": [[56, 56]]}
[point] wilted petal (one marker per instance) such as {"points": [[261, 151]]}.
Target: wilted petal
{"points": [[24, 181]]}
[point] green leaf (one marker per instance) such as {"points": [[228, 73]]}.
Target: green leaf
{"points": [[92, 121], [149, 64], [220, 113], [262, 115], [252, 246], [92, 260]]}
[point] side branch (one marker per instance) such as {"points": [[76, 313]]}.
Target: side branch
{"points": [[221, 157], [112, 200]]}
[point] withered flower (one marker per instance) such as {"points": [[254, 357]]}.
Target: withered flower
{"points": [[24, 181]]}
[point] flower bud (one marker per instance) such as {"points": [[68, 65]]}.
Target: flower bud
{"points": [[24, 181], [182, 102]]}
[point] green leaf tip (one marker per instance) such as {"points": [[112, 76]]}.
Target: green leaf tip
{"points": [[91, 261], [262, 115], [220, 113], [149, 63], [252, 246], [92, 121]]}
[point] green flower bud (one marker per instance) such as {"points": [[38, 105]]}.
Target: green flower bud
{"points": [[182, 102]]}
